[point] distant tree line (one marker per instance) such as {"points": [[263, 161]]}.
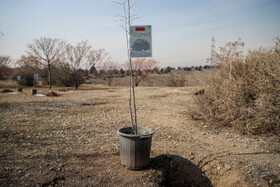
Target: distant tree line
{"points": [[62, 64], [168, 69]]}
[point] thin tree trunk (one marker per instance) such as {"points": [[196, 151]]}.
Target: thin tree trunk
{"points": [[50, 75], [76, 85], [109, 81], [131, 73]]}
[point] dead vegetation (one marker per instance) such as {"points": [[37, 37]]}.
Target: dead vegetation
{"points": [[52, 94], [176, 80], [244, 92], [6, 90]]}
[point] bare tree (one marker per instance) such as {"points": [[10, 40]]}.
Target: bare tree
{"points": [[5, 60], [5, 71], [29, 60], [75, 59], [48, 51], [141, 68], [97, 58], [108, 69]]}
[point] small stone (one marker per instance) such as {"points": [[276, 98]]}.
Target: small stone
{"points": [[228, 167], [219, 168], [51, 169], [27, 175], [202, 133]]}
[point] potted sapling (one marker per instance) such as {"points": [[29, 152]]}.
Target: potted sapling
{"points": [[135, 141]]}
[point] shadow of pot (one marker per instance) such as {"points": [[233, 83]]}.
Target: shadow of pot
{"points": [[135, 149]]}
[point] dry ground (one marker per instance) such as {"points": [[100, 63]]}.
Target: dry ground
{"points": [[72, 140]]}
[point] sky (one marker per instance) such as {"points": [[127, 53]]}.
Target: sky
{"points": [[181, 29]]}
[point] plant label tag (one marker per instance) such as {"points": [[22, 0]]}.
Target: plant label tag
{"points": [[140, 41], [36, 76]]}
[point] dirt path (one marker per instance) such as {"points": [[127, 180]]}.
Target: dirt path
{"points": [[71, 140]]}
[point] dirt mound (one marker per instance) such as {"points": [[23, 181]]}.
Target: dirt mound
{"points": [[52, 94], [6, 90]]}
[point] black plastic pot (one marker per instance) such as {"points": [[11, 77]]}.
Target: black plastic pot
{"points": [[135, 149], [33, 91], [19, 89]]}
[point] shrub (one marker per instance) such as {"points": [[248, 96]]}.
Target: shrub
{"points": [[244, 93], [60, 77], [187, 69], [156, 70], [27, 76], [167, 70], [121, 72], [206, 67], [175, 80], [198, 68]]}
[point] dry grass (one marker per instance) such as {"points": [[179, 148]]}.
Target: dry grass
{"points": [[244, 93], [176, 80]]}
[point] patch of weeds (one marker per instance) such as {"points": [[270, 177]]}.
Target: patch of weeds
{"points": [[6, 105], [156, 178]]}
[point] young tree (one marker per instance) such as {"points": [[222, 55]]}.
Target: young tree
{"points": [[75, 58], [141, 68], [107, 70], [126, 20], [97, 59], [48, 51], [27, 75]]}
